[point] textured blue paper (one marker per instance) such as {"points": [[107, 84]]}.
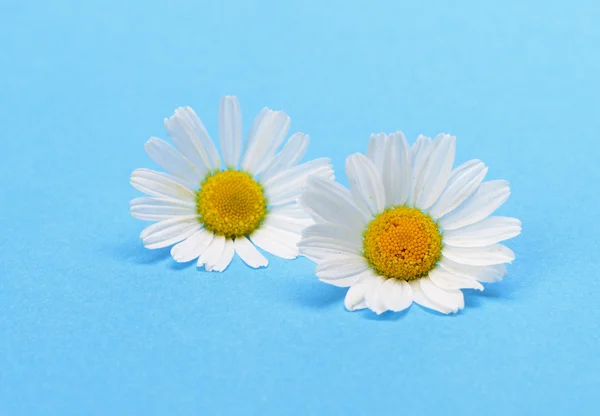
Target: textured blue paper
{"points": [[92, 323]]}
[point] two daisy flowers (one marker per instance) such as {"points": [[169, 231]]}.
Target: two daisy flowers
{"points": [[411, 228]]}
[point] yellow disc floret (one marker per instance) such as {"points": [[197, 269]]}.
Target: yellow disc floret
{"points": [[231, 203], [403, 243]]}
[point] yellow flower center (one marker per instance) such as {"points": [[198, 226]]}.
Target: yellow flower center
{"points": [[402, 242], [231, 203]]}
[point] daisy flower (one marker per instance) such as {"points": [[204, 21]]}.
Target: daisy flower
{"points": [[410, 228], [210, 208]]}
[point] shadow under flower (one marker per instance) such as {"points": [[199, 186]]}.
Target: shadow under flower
{"points": [[494, 291], [135, 252], [182, 266], [473, 299], [315, 294], [386, 316]]}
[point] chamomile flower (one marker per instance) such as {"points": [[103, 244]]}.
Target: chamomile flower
{"points": [[410, 228], [210, 208]]}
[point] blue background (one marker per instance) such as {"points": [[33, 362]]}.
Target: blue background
{"points": [[92, 323]]}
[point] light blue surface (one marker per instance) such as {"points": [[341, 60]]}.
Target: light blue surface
{"points": [[92, 323]]}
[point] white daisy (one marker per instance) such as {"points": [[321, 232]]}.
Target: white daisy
{"points": [[211, 208], [410, 228]]}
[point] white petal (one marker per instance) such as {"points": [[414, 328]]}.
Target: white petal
{"points": [[396, 169], [284, 237], [450, 281], [284, 222], [421, 143], [320, 249], [287, 177], [365, 183], [192, 247], [355, 297], [343, 271], [254, 127], [174, 204], [161, 185], [316, 255], [290, 210], [226, 256], [332, 244], [487, 274], [484, 233], [350, 237], [313, 215], [292, 192], [332, 202], [320, 255], [158, 209], [437, 170], [420, 154], [249, 254], [173, 162], [212, 254], [275, 242], [230, 130], [465, 167], [376, 150], [289, 156], [488, 197], [396, 294], [462, 183], [451, 299], [268, 136], [192, 139], [286, 186], [168, 232], [420, 298], [373, 295], [479, 256]]}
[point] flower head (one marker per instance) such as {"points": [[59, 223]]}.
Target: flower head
{"points": [[410, 228], [210, 208]]}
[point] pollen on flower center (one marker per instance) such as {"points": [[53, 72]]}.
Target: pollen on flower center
{"points": [[403, 243], [231, 203]]}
